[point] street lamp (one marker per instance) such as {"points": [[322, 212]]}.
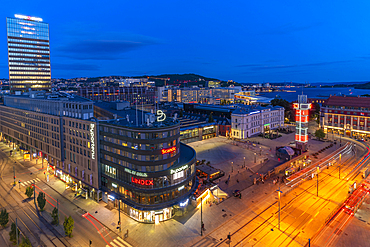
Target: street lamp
{"points": [[317, 170], [279, 192], [260, 151], [244, 161], [232, 168], [255, 157]]}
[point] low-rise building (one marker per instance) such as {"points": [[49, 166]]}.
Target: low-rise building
{"points": [[346, 115], [248, 121]]}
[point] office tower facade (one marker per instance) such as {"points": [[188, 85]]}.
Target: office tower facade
{"points": [[28, 54]]}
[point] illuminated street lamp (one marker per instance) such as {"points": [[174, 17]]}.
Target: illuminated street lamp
{"points": [[317, 170], [232, 168], [255, 157], [244, 161], [279, 192]]}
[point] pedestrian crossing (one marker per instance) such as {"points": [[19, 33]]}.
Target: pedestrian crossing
{"points": [[118, 242], [30, 182], [206, 242]]}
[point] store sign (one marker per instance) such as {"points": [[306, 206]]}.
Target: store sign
{"points": [[114, 185], [179, 169], [92, 136], [181, 188], [142, 181], [140, 174], [206, 128], [183, 204], [169, 150]]}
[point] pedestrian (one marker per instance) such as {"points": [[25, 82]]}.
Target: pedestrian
{"points": [[229, 176], [238, 171]]}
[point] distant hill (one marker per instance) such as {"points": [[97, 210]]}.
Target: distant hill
{"points": [[365, 85]]}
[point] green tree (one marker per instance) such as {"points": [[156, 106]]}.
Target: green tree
{"points": [[13, 234], [68, 226], [29, 191], [4, 218], [41, 201], [287, 107], [25, 242], [210, 118], [320, 134], [55, 216]]}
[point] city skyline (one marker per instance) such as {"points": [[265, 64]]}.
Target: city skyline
{"points": [[259, 42]]}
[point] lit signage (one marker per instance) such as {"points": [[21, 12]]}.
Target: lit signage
{"points": [[183, 204], [92, 136], [206, 128], [111, 197], [181, 188], [142, 181], [30, 18], [141, 174], [179, 169], [114, 185], [161, 116], [169, 150]]}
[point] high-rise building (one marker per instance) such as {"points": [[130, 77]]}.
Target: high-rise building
{"points": [[28, 53]]}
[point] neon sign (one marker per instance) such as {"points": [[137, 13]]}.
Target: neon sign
{"points": [[92, 136], [179, 169], [146, 182], [169, 150], [161, 116], [141, 174]]}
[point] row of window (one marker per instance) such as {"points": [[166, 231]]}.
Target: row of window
{"points": [[28, 46], [137, 146], [140, 157], [36, 66], [29, 73], [28, 41], [146, 182], [28, 50], [28, 55], [35, 69], [29, 59], [140, 168]]}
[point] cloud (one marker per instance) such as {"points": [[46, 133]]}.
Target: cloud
{"points": [[272, 67], [75, 66], [95, 43]]}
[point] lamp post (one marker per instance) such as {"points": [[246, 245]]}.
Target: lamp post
{"points": [[119, 214], [201, 216], [279, 192], [340, 158], [317, 170], [244, 161], [232, 168], [255, 157], [260, 151]]}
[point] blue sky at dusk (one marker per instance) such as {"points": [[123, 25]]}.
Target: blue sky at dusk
{"points": [[245, 41]]}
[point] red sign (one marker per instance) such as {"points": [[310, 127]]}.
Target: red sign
{"points": [[169, 150], [142, 181]]}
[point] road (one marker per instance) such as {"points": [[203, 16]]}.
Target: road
{"points": [[35, 224], [302, 211]]}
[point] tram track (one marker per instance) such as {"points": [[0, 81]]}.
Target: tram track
{"points": [[350, 163], [345, 166], [18, 210]]}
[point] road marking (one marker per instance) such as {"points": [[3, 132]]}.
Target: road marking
{"points": [[123, 241], [22, 184], [38, 179]]}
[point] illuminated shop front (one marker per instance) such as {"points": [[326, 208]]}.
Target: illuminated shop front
{"points": [[146, 171]]}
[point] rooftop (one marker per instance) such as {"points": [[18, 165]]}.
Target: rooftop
{"points": [[59, 96], [354, 101]]}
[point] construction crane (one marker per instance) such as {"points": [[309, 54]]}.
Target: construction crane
{"points": [[164, 79]]}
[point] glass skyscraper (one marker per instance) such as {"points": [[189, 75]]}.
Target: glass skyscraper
{"points": [[28, 54]]}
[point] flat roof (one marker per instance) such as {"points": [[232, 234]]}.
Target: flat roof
{"points": [[52, 97]]}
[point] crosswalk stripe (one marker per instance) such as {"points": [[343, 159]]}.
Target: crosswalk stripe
{"points": [[26, 182], [22, 184], [114, 245], [38, 179], [124, 242]]}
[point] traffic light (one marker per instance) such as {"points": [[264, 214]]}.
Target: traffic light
{"points": [[44, 173], [119, 222], [229, 236], [14, 177]]}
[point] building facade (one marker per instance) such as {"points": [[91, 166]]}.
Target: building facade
{"points": [[346, 116], [61, 139], [134, 95], [28, 54], [146, 168], [250, 121]]}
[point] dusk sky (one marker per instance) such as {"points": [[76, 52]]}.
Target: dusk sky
{"points": [[245, 41]]}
